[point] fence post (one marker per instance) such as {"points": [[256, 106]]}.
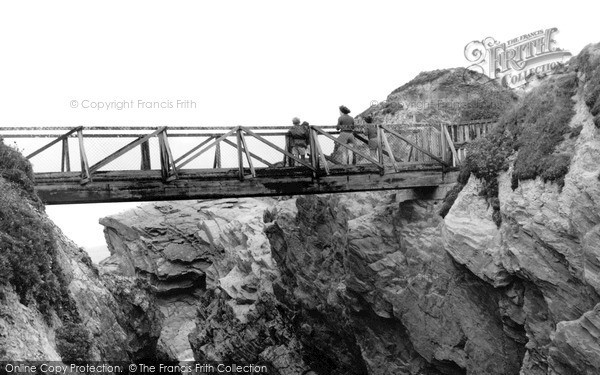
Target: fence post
{"points": [[389, 150], [247, 152], [319, 153], [167, 163], [217, 161], [65, 165], [85, 167], [287, 162], [145, 147], [314, 159], [442, 149], [239, 149], [380, 149]]}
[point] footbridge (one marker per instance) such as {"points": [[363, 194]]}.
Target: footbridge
{"points": [[117, 164]]}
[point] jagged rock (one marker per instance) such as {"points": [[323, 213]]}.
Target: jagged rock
{"points": [[476, 246], [263, 335], [185, 247], [384, 285], [118, 311], [138, 312], [24, 335], [575, 346]]}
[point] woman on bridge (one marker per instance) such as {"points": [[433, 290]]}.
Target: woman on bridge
{"points": [[371, 133], [345, 125]]}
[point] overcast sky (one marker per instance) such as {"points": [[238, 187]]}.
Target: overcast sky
{"points": [[240, 62]]}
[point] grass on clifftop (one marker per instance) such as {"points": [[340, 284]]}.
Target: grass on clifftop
{"points": [[534, 128], [488, 102], [28, 252], [422, 78], [589, 65]]}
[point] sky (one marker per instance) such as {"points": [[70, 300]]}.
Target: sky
{"points": [[239, 62]]}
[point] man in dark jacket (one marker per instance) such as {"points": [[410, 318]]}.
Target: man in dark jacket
{"points": [[345, 125]]}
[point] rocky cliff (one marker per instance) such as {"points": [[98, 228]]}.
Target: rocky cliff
{"points": [[545, 253], [372, 283], [187, 249], [54, 303]]}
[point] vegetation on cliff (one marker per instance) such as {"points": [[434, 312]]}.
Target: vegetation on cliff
{"points": [[28, 250], [487, 102], [589, 66], [73, 342], [29, 255]]}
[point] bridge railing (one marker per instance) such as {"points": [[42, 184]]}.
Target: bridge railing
{"points": [[461, 134], [246, 149]]}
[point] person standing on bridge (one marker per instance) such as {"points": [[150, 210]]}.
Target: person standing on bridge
{"points": [[299, 139], [345, 125], [371, 133]]}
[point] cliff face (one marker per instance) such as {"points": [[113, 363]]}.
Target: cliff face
{"points": [[375, 272], [183, 249], [110, 325], [545, 252]]}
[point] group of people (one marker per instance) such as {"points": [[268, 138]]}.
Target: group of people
{"points": [[299, 135]]}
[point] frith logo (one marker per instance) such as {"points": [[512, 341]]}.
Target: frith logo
{"points": [[513, 62]]}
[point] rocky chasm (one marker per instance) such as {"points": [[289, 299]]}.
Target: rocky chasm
{"points": [[365, 283], [373, 283]]}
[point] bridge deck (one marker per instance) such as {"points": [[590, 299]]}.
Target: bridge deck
{"points": [[120, 186], [245, 161]]}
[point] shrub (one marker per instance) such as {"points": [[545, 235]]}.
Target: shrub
{"points": [[555, 169], [544, 124], [11, 158], [489, 103], [14, 167], [486, 158], [73, 341], [27, 251], [19, 177], [450, 198]]}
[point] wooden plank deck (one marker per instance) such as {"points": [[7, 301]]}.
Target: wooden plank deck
{"points": [[148, 185]]}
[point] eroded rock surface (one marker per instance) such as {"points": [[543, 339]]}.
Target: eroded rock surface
{"points": [[183, 248], [379, 278]]}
